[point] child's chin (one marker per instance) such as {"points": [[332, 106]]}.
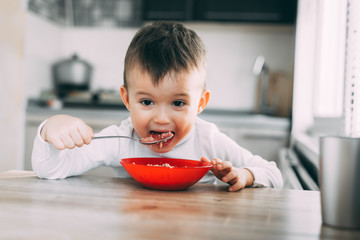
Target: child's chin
{"points": [[164, 149]]}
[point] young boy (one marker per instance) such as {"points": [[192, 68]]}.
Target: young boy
{"points": [[164, 90]]}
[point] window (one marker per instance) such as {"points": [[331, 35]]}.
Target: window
{"points": [[329, 63], [337, 89], [352, 71], [319, 67], [327, 73]]}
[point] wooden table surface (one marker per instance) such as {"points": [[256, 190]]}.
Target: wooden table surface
{"points": [[89, 207]]}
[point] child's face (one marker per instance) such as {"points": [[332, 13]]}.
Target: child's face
{"points": [[170, 106]]}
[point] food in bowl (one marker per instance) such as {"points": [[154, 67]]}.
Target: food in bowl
{"points": [[165, 173], [162, 165]]}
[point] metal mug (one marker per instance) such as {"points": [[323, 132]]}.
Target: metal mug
{"points": [[339, 180]]}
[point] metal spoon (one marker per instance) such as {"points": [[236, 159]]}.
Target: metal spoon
{"points": [[139, 141]]}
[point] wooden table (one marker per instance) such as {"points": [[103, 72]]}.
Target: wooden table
{"points": [[89, 207]]}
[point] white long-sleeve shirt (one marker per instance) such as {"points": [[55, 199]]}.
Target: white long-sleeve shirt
{"points": [[204, 140]]}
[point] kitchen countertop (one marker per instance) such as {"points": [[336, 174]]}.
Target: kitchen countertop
{"points": [[226, 118], [89, 207]]}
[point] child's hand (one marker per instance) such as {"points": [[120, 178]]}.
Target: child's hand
{"points": [[238, 178], [66, 132]]}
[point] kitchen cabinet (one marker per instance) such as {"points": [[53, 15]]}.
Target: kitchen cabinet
{"points": [[255, 11], [260, 134], [133, 12], [168, 10], [263, 142], [96, 13], [264, 11]]}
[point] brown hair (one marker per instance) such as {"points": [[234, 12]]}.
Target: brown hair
{"points": [[162, 47]]}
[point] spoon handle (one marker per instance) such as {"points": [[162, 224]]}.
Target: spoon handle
{"points": [[139, 141], [102, 137]]}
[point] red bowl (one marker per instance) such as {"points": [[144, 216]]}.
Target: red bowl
{"points": [[181, 175]]}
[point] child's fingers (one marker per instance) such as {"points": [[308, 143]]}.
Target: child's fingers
{"points": [[214, 168], [59, 145], [68, 141], [232, 175], [87, 133], [224, 165], [77, 138], [204, 159], [237, 186], [216, 161], [55, 140]]}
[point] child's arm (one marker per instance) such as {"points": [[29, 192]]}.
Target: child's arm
{"points": [[55, 154], [65, 131], [215, 144], [238, 178]]}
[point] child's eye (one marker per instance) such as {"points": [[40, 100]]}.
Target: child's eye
{"points": [[147, 102], [178, 103]]}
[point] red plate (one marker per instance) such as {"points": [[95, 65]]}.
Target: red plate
{"points": [[182, 174]]}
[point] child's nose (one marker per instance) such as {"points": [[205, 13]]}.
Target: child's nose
{"points": [[161, 116]]}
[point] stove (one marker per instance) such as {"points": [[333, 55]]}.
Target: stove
{"points": [[83, 99]]}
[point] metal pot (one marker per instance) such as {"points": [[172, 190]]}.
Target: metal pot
{"points": [[72, 74]]}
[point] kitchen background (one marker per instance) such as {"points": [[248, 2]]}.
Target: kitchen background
{"points": [[232, 48], [235, 33]]}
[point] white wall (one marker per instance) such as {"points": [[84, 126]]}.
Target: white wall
{"points": [[105, 49], [232, 49], [12, 31], [42, 48]]}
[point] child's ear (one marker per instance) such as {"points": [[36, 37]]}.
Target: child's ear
{"points": [[125, 97], [204, 99]]}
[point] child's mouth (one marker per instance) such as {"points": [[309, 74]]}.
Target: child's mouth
{"points": [[161, 135]]}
